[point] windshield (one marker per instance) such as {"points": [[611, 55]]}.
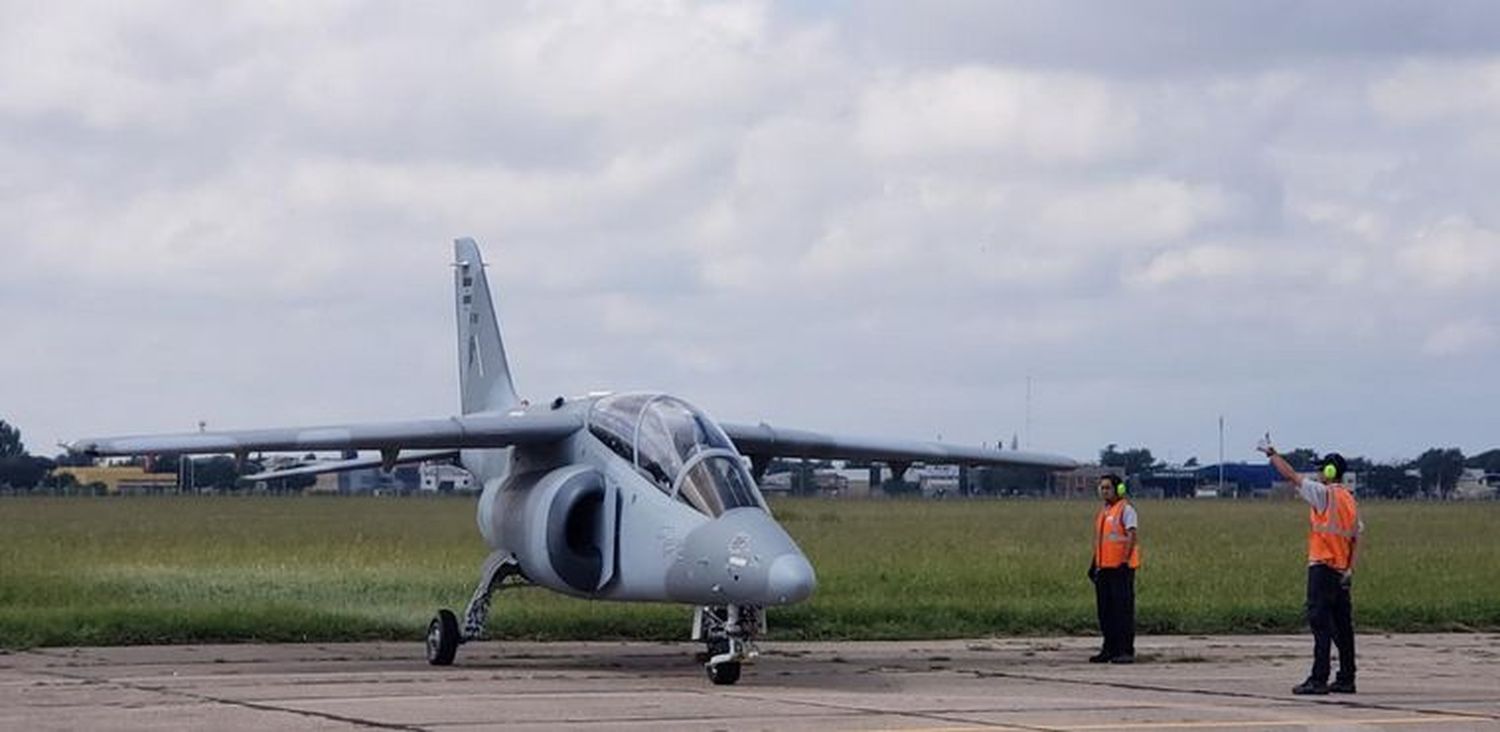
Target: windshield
{"points": [[716, 484], [678, 447]]}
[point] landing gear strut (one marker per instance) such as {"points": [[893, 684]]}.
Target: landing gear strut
{"points": [[730, 632], [443, 633]]}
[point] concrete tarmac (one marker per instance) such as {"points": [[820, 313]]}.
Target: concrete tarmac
{"points": [[1419, 682]]}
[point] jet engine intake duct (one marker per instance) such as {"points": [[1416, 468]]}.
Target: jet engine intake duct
{"points": [[561, 524], [576, 539]]}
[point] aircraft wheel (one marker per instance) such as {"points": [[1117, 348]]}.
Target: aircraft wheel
{"points": [[442, 638], [721, 674], [724, 674]]}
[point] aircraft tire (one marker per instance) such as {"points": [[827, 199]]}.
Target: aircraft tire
{"points": [[442, 638], [724, 674]]}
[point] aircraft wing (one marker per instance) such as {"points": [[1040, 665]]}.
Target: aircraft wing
{"points": [[765, 441], [359, 463], [470, 431]]}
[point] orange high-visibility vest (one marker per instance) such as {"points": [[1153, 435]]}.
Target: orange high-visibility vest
{"points": [[1330, 533], [1110, 538]]}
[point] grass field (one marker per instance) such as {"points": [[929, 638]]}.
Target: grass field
{"points": [[153, 570]]}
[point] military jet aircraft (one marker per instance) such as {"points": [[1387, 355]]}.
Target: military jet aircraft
{"points": [[632, 496]]}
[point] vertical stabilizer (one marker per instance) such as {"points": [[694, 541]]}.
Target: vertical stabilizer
{"points": [[483, 373]]}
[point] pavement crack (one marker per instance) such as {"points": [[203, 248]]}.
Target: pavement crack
{"points": [[208, 698]]}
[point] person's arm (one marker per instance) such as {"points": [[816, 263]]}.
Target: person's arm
{"points": [[1131, 523], [1284, 468], [1346, 578], [1312, 491], [1129, 545], [1094, 554], [1359, 528]]}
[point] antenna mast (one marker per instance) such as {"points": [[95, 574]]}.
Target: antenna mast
{"points": [[1027, 431]]}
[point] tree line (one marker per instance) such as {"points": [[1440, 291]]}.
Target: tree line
{"points": [[1435, 472]]}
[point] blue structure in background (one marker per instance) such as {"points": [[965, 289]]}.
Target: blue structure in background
{"points": [[1242, 477]]}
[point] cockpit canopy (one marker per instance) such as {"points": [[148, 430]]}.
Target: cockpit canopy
{"points": [[677, 447]]}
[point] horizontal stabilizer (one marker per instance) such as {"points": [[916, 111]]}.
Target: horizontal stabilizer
{"points": [[360, 463]]}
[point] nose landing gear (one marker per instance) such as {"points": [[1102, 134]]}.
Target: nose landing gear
{"points": [[729, 632]]}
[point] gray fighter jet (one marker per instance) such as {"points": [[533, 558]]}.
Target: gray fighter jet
{"points": [[634, 496]]}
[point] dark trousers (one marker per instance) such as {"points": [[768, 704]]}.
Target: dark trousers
{"points": [[1114, 594], [1331, 616]]}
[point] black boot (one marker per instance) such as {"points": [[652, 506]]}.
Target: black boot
{"points": [[1310, 686], [1100, 657], [1342, 685]]}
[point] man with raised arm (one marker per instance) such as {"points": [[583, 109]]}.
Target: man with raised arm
{"points": [[1332, 540]]}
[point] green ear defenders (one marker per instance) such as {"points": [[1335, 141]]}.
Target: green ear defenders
{"points": [[1330, 472], [1120, 487]]}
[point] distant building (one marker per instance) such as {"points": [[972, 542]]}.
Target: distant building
{"points": [[1082, 482], [828, 481], [1240, 479], [1475, 484], [932, 481], [1166, 483], [855, 482], [122, 478], [445, 478], [776, 483], [403, 479], [936, 480], [326, 483]]}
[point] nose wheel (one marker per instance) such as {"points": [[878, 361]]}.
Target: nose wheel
{"points": [[723, 664], [442, 638], [728, 632]]}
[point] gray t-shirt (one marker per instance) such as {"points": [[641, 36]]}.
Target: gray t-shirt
{"points": [[1128, 517]]}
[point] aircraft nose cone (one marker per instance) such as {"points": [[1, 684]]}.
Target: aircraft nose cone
{"points": [[791, 578], [744, 557]]}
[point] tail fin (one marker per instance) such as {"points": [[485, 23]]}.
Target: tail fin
{"points": [[483, 373]]}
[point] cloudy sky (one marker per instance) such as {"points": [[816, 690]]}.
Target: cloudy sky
{"points": [[866, 217]]}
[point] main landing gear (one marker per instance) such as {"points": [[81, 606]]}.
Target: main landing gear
{"points": [[729, 632], [443, 633]]}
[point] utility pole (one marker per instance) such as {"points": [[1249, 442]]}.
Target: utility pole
{"points": [[1221, 456], [1029, 440]]}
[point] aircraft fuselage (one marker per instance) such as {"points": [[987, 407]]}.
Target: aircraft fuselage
{"points": [[582, 519]]}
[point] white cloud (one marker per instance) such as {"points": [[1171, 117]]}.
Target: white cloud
{"points": [[1148, 210], [975, 110], [1455, 253], [1201, 263], [1432, 90]]}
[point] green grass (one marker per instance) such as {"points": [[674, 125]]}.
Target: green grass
{"points": [[155, 570]]}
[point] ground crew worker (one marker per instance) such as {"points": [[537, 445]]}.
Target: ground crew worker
{"points": [[1116, 557], [1332, 538]]}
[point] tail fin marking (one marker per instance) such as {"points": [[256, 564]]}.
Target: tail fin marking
{"points": [[484, 381]]}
